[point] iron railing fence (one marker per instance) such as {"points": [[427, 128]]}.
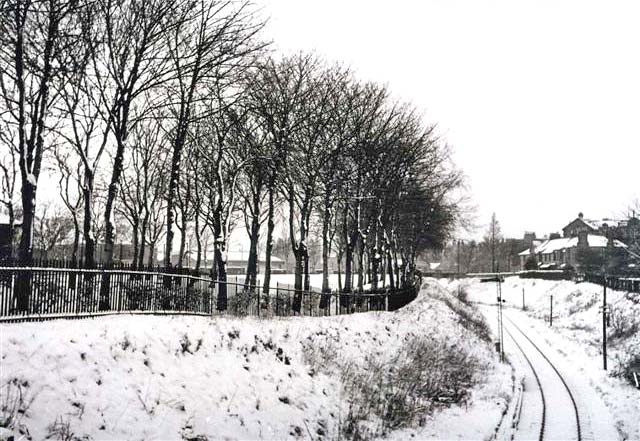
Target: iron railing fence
{"points": [[28, 293], [619, 283]]}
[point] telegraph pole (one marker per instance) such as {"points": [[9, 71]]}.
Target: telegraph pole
{"points": [[604, 324], [551, 311], [523, 305], [501, 327]]}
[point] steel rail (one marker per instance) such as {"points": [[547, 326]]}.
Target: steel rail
{"points": [[535, 374], [566, 386]]}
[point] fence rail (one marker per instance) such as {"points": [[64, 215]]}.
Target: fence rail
{"points": [[619, 283], [36, 293]]}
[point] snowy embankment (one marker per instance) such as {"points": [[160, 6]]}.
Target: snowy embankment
{"points": [[146, 377], [577, 334]]}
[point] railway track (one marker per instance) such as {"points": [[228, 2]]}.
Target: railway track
{"points": [[555, 415]]}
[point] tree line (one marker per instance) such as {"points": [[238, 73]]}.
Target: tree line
{"points": [[165, 117]]}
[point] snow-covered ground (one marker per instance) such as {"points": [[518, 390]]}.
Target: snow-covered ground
{"points": [[576, 338], [148, 377]]}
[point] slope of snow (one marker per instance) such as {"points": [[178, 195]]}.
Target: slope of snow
{"points": [[149, 377], [576, 334]]}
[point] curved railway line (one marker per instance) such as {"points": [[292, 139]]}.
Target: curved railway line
{"points": [[537, 375]]}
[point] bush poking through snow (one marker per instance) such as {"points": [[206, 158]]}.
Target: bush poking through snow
{"points": [[61, 430], [624, 324], [14, 405], [185, 344], [462, 294], [468, 316], [423, 375]]}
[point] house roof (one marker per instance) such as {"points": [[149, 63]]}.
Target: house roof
{"points": [[580, 220], [597, 224], [549, 246]]}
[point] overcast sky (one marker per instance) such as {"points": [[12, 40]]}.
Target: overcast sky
{"points": [[540, 99]]}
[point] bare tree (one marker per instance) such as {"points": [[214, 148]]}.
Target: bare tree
{"points": [[71, 194], [278, 90], [216, 149], [492, 237], [84, 101], [51, 228], [212, 41], [8, 191], [32, 35]]}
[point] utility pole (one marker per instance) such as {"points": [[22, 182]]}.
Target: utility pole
{"points": [[604, 324], [524, 308], [604, 304], [500, 326], [551, 311]]}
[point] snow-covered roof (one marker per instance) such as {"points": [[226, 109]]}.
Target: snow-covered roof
{"points": [[434, 265], [549, 246], [597, 224]]}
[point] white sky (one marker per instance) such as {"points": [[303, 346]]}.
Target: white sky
{"points": [[540, 99]]}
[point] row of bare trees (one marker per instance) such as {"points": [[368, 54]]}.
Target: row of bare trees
{"points": [[169, 116]]}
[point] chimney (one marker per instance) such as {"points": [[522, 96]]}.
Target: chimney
{"points": [[583, 241], [580, 215]]}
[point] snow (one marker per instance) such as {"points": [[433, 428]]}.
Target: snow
{"points": [[549, 246], [151, 377], [31, 179], [574, 342]]}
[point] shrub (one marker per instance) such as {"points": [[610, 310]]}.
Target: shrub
{"points": [[423, 375], [624, 324], [627, 366], [15, 403], [469, 318]]}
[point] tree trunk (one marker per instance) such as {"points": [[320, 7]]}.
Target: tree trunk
{"points": [[25, 252], [375, 263], [269, 246], [143, 242], [221, 273], [198, 246], [109, 230], [299, 269], [183, 243], [339, 262], [307, 280], [348, 258], [136, 243], [254, 236], [152, 247], [326, 290], [360, 266], [392, 283]]}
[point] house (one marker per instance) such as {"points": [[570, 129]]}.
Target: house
{"points": [[625, 230], [563, 252], [578, 235]]}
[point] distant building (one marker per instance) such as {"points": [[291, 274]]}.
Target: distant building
{"points": [[580, 234], [563, 252], [625, 230], [236, 262]]}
